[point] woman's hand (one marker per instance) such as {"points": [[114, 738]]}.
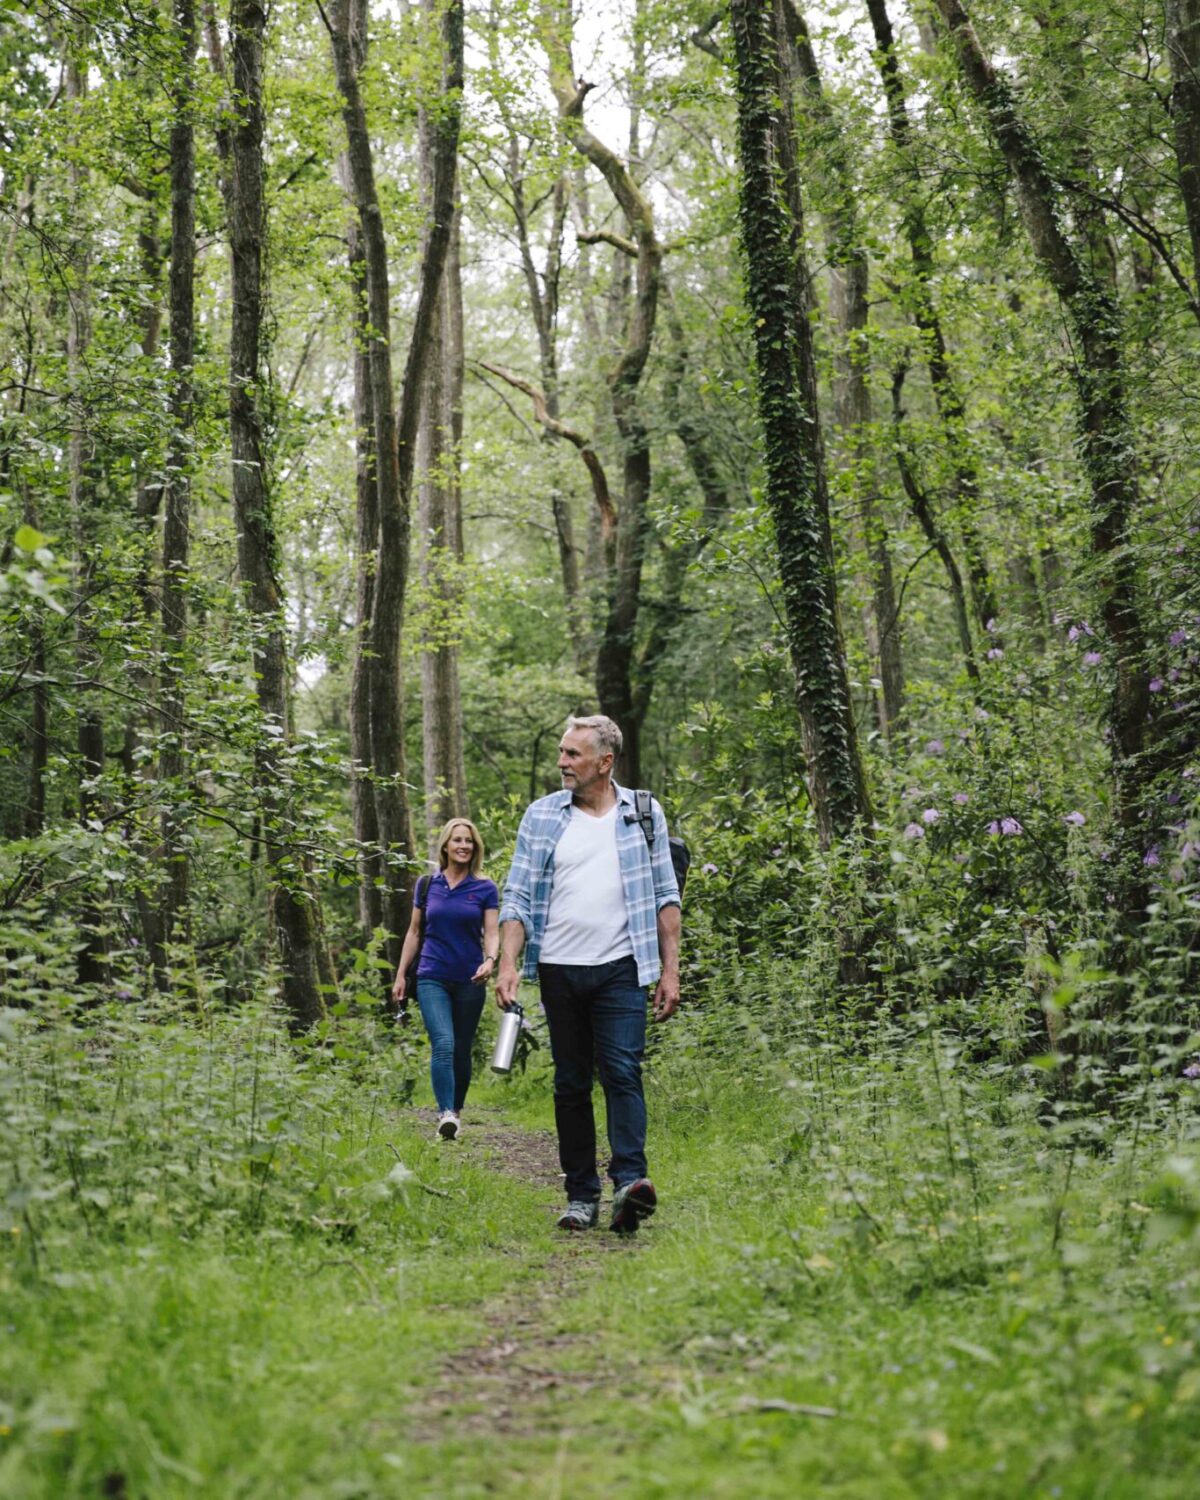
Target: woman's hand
{"points": [[484, 972], [399, 989]]}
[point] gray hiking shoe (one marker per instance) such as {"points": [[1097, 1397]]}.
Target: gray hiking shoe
{"points": [[631, 1204], [580, 1213]]}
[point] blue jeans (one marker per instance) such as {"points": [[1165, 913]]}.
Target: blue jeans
{"points": [[451, 1014], [597, 1017]]}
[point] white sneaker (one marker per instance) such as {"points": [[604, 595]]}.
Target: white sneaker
{"points": [[447, 1126]]}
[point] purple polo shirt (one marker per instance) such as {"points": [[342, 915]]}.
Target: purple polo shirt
{"points": [[453, 946]]}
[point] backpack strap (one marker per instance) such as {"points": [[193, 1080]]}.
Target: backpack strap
{"points": [[643, 814]]}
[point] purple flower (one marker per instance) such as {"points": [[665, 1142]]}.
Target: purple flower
{"points": [[776, 852], [990, 627], [1006, 826], [1150, 858], [1092, 658], [934, 747], [995, 653], [1172, 799], [1073, 633], [930, 815], [1077, 819], [914, 831], [1188, 850], [1173, 675], [961, 798], [709, 869], [1156, 684], [124, 994], [982, 715], [961, 859], [1178, 637], [1192, 1070]]}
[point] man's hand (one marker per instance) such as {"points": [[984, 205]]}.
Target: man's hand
{"points": [[666, 996], [507, 984]]}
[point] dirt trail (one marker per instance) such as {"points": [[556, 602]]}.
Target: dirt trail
{"points": [[519, 1379]]}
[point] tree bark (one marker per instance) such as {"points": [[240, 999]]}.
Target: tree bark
{"points": [[438, 457], [787, 402], [851, 269], [395, 434], [615, 657], [366, 536], [293, 906], [1183, 46], [1109, 446], [177, 489], [946, 395], [92, 967]]}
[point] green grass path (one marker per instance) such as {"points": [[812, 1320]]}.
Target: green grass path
{"points": [[435, 1336]]}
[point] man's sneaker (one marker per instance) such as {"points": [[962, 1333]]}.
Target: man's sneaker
{"points": [[631, 1204], [580, 1213], [447, 1128]]}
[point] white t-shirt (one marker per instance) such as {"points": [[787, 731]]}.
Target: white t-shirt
{"points": [[587, 922]]}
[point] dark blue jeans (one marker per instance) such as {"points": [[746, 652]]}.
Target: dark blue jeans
{"points": [[451, 1014], [597, 1017]]}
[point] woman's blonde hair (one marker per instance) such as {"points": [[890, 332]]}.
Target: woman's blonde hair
{"points": [[443, 839]]}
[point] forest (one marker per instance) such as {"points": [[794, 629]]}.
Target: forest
{"points": [[812, 387]]}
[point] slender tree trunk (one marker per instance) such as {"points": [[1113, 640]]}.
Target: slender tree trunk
{"points": [[441, 556], [851, 278], [1109, 442], [366, 528], [615, 657], [1183, 46], [82, 498], [395, 434], [934, 535], [948, 399], [293, 906], [787, 403], [173, 757]]}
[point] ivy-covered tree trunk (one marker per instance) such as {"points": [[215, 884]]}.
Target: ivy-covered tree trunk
{"points": [[851, 269], [787, 403], [177, 488], [293, 906], [946, 393], [1109, 443], [1183, 47]]}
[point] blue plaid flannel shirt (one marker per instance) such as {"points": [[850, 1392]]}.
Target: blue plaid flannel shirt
{"points": [[648, 879]]}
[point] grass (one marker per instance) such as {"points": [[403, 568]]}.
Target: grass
{"points": [[992, 1307]]}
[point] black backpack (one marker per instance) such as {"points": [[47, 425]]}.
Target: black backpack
{"points": [[681, 855]]}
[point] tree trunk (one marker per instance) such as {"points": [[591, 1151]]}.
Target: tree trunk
{"points": [[366, 532], [173, 757], [82, 499], [438, 457], [1183, 45], [787, 403], [1109, 446], [395, 435], [293, 906], [851, 271], [946, 395], [615, 657]]}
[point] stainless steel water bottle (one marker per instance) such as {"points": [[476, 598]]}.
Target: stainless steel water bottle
{"points": [[506, 1040]]}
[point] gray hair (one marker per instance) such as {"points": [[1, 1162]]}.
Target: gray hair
{"points": [[603, 730]]}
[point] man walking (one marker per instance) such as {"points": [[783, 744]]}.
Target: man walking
{"points": [[597, 911]]}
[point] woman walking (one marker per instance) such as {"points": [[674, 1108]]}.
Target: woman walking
{"points": [[458, 952]]}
